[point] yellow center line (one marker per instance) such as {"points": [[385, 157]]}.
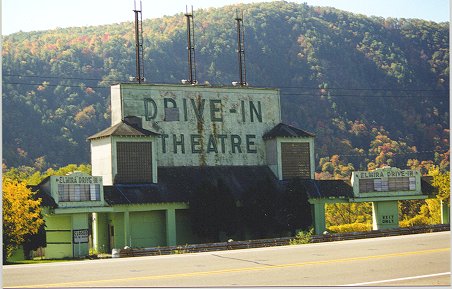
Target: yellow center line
{"points": [[91, 283]]}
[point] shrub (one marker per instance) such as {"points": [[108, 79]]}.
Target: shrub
{"points": [[418, 220], [354, 227], [302, 237]]}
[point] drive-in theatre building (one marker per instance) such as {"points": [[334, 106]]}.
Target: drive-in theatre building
{"points": [[166, 141]]}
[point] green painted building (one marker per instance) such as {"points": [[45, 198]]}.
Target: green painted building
{"points": [[166, 142]]}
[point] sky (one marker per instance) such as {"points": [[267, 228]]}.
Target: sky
{"points": [[34, 15]]}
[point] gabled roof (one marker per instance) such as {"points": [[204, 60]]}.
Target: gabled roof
{"points": [[285, 130], [123, 129], [46, 199]]}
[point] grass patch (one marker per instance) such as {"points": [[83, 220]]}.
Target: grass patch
{"points": [[39, 261]]}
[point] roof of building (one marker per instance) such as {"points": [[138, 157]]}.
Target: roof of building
{"points": [[285, 130], [328, 188], [177, 184], [46, 199], [426, 186], [123, 128]]}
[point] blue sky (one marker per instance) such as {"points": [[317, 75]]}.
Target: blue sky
{"points": [[32, 15]]}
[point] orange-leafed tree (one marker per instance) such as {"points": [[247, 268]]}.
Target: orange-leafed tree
{"points": [[21, 215]]}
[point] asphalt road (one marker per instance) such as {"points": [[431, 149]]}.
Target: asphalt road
{"points": [[412, 260]]}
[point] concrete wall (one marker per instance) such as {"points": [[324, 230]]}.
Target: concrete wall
{"points": [[147, 225], [184, 230], [147, 229], [273, 154], [385, 215], [59, 234], [201, 125], [101, 159]]}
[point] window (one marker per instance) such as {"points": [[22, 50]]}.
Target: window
{"points": [[296, 160], [78, 192], [134, 162]]}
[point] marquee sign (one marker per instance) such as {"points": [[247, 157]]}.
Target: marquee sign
{"points": [[386, 182], [201, 125], [78, 178]]}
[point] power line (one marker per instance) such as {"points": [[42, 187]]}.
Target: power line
{"points": [[285, 87], [53, 85], [362, 95], [394, 154], [282, 93], [316, 93]]}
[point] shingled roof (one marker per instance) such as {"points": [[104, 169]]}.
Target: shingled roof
{"points": [[285, 130], [176, 184], [123, 129], [46, 199]]}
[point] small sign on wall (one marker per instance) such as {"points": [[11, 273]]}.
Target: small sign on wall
{"points": [[80, 236]]}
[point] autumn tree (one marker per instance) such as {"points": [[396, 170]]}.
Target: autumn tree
{"points": [[429, 211], [21, 215], [441, 180], [32, 176], [423, 166], [387, 151], [335, 168], [348, 213]]}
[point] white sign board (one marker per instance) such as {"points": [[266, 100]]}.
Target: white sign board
{"points": [[386, 182], [201, 125], [80, 236]]}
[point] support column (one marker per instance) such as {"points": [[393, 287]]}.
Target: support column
{"points": [[319, 218], [445, 213], [127, 237], [171, 227], [100, 232], [95, 226], [385, 215]]}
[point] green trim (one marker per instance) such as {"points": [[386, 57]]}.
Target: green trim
{"points": [[58, 211], [328, 201], [384, 199], [148, 207]]}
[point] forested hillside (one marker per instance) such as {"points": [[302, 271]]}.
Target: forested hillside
{"points": [[375, 91]]}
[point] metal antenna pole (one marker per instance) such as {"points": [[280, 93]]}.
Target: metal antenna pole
{"points": [[191, 47], [241, 48], [138, 44]]}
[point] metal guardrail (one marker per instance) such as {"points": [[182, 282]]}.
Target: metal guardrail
{"points": [[234, 245]]}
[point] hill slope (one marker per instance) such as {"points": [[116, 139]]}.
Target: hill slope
{"points": [[372, 89]]}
